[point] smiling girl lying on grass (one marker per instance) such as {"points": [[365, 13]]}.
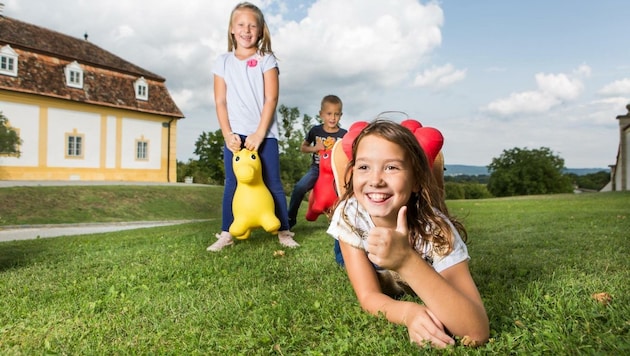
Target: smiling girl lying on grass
{"points": [[397, 238]]}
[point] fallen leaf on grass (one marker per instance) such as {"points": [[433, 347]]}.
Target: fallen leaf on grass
{"points": [[602, 298], [278, 253], [467, 341]]}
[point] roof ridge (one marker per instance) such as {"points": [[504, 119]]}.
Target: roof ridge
{"points": [[47, 41]]}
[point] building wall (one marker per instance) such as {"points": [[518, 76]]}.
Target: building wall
{"points": [[109, 136], [622, 176], [620, 171]]}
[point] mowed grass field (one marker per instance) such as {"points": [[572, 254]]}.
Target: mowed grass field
{"points": [[553, 272]]}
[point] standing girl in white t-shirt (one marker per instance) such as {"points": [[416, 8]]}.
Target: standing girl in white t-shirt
{"points": [[246, 90], [396, 237]]}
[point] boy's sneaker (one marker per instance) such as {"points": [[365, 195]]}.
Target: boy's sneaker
{"points": [[286, 239], [223, 239]]}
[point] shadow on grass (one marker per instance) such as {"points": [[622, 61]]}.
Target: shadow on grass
{"points": [[501, 280], [19, 254]]}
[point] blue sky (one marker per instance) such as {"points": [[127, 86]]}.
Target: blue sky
{"points": [[491, 75]]}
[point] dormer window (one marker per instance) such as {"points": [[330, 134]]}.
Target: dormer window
{"points": [[74, 75], [142, 89], [8, 61]]}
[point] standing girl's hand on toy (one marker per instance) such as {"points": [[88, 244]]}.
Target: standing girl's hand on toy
{"points": [[233, 142], [423, 327], [390, 248], [253, 141]]}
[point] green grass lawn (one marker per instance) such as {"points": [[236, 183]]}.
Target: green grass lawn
{"points": [[537, 262]]}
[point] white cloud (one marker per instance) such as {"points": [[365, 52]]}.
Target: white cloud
{"points": [[552, 90], [618, 87], [583, 71], [377, 45], [123, 31], [440, 77], [559, 86], [524, 102], [604, 111]]}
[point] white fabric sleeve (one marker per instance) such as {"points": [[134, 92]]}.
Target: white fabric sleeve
{"points": [[457, 255], [352, 235]]}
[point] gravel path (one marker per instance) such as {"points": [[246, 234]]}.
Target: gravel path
{"points": [[26, 232]]}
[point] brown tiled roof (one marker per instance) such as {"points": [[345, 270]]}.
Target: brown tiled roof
{"points": [[107, 79]]}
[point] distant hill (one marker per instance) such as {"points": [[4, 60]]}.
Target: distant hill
{"points": [[584, 171], [460, 169]]}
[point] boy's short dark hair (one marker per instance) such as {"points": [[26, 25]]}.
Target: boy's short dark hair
{"points": [[332, 99]]}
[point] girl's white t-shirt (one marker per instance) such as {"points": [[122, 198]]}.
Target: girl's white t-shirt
{"points": [[245, 94], [355, 234]]}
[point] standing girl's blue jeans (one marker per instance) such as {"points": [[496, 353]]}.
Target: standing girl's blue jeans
{"points": [[270, 158]]}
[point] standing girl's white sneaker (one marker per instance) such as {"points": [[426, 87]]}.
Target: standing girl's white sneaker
{"points": [[223, 239], [286, 239]]}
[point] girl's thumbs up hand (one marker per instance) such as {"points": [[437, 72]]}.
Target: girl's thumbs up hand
{"points": [[389, 248]]}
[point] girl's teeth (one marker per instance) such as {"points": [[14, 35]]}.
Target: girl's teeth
{"points": [[377, 197]]}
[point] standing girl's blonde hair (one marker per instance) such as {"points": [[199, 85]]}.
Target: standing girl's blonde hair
{"points": [[264, 42]]}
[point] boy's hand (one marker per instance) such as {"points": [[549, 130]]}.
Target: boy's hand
{"points": [[319, 144]]}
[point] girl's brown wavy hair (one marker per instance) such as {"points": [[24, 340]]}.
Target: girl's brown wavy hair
{"points": [[423, 219]]}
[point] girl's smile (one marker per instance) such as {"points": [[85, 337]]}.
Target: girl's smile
{"points": [[382, 179], [245, 29]]}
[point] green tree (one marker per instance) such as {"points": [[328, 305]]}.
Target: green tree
{"points": [[520, 171], [592, 181], [209, 148], [9, 139], [293, 162], [195, 169], [454, 191], [476, 191]]}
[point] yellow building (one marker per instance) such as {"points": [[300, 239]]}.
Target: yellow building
{"points": [[81, 112]]}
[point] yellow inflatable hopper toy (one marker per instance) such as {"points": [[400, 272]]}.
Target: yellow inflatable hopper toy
{"points": [[253, 204]]}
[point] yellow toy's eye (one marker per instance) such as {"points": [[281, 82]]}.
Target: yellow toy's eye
{"points": [[238, 158], [253, 156]]}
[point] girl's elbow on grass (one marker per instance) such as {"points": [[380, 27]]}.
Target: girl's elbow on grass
{"points": [[478, 335], [479, 338]]}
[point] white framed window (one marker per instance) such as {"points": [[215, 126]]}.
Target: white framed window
{"points": [[141, 88], [8, 61], [74, 75], [74, 145], [142, 149]]}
